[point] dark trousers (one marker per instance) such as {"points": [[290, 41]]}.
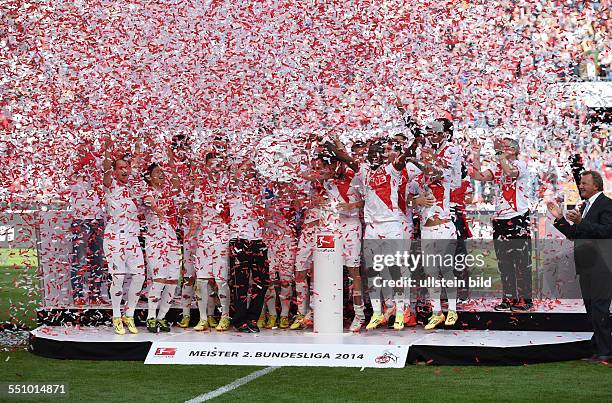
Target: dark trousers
{"points": [[596, 296], [461, 249], [512, 242], [87, 256], [249, 264]]}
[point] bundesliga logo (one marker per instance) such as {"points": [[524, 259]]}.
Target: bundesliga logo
{"points": [[325, 242], [165, 351]]}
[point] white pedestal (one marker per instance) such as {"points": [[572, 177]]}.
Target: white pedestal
{"points": [[327, 284]]}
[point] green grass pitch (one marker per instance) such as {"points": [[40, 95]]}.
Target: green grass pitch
{"points": [[133, 381], [112, 381]]}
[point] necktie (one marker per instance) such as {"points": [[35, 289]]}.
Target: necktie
{"points": [[587, 204]]}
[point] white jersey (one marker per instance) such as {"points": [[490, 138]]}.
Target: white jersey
{"points": [[448, 159], [246, 206], [380, 189], [313, 191], [164, 227], [345, 190], [512, 199], [212, 202], [122, 212]]}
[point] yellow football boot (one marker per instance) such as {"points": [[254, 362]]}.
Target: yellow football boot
{"points": [[451, 318], [202, 325], [434, 321], [224, 324], [129, 322], [118, 325]]}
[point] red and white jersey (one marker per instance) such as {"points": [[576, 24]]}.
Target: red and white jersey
{"points": [[313, 192], [246, 205], [457, 197], [512, 198], [345, 190], [166, 225], [122, 211], [380, 189], [210, 198], [448, 159]]}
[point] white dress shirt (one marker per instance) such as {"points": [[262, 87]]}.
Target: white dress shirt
{"points": [[589, 203]]}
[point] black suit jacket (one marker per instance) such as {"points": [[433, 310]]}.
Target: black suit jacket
{"points": [[592, 237]]}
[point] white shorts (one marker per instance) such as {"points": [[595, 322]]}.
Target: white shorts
{"points": [[163, 257], [212, 260], [384, 238], [124, 256], [442, 231], [189, 259], [384, 230], [305, 248], [438, 241], [351, 232], [281, 255], [407, 229]]}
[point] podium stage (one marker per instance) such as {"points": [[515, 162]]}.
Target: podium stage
{"points": [[551, 332]]}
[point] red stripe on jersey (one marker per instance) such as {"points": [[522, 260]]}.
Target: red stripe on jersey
{"points": [[509, 193], [344, 185], [458, 195], [437, 189], [380, 182]]}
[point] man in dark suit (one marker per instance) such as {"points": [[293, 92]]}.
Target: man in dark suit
{"points": [[591, 229]]}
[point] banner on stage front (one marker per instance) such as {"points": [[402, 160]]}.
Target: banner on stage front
{"points": [[281, 354]]}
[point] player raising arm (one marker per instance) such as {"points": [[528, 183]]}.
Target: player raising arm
{"points": [[380, 180], [121, 246]]}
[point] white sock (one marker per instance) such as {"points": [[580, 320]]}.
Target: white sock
{"points": [[302, 297], [406, 298], [212, 303], [116, 292], [133, 293], [376, 305], [437, 305], [399, 305], [155, 293], [452, 304], [285, 296], [187, 297], [224, 297], [359, 310], [270, 300], [202, 295], [166, 300]]}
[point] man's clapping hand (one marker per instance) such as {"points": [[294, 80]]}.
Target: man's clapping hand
{"points": [[574, 216], [554, 209]]}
